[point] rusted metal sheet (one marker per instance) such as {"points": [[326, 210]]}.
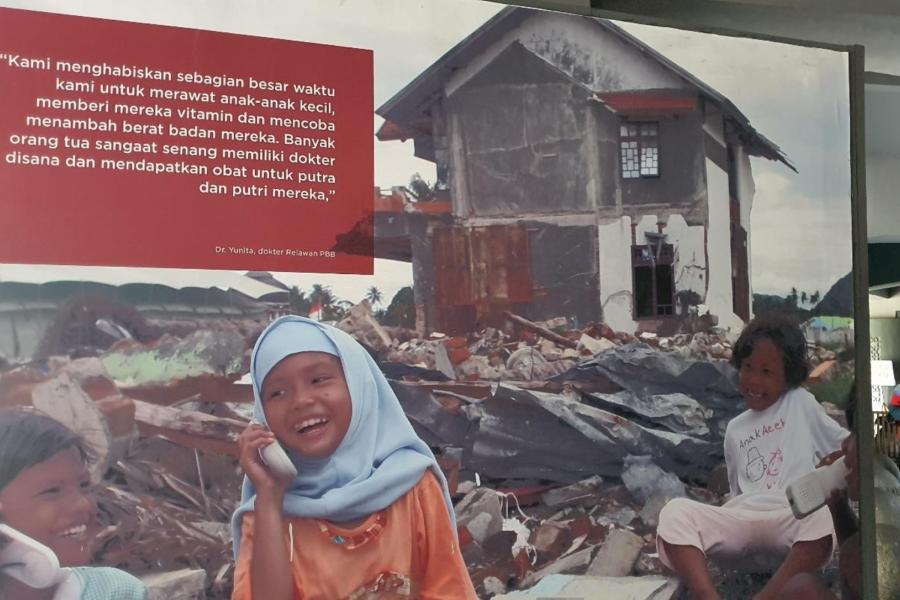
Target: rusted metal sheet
{"points": [[479, 273]]}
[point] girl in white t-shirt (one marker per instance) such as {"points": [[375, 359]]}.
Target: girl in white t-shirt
{"points": [[783, 435]]}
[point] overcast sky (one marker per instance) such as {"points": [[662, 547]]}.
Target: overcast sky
{"points": [[798, 97]]}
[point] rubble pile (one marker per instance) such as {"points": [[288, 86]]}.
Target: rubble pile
{"points": [[560, 445]]}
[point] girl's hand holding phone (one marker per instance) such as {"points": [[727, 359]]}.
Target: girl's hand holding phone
{"points": [[250, 443]]}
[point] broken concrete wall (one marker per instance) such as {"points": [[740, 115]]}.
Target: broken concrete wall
{"points": [[564, 273], [719, 295], [746, 189], [519, 126], [616, 271], [690, 268], [616, 284]]}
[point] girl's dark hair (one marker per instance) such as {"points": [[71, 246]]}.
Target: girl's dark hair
{"points": [[29, 437], [786, 336]]}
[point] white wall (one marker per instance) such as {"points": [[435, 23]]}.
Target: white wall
{"points": [[690, 254], [746, 193], [719, 295], [615, 274]]}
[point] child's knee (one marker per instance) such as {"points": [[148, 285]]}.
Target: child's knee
{"points": [[677, 511]]}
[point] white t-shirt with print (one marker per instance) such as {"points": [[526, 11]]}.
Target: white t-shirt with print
{"points": [[768, 449]]}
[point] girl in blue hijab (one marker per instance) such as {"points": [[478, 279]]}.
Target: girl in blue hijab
{"points": [[369, 513]]}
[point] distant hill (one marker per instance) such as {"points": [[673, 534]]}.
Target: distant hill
{"points": [[838, 301]]}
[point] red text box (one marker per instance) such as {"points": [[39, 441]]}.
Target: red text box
{"points": [[141, 145]]}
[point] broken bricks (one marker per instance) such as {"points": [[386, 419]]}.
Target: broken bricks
{"points": [[479, 512]]}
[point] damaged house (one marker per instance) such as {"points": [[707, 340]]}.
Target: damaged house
{"points": [[588, 177]]}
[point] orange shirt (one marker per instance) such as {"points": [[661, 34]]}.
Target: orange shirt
{"points": [[406, 551]]}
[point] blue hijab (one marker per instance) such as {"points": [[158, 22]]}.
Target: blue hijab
{"points": [[381, 457]]}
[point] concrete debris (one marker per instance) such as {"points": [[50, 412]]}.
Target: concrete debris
{"points": [[644, 479], [361, 324], [550, 540], [64, 399], [573, 495], [442, 361], [574, 564], [618, 555], [186, 584], [594, 346], [621, 518], [650, 486], [525, 358]]}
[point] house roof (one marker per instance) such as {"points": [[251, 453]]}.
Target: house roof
{"points": [[177, 279], [408, 105]]}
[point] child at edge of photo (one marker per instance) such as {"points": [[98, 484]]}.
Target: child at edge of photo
{"points": [[46, 494], [783, 434]]}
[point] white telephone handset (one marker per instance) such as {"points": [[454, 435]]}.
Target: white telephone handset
{"points": [[277, 460], [809, 493], [31, 562]]}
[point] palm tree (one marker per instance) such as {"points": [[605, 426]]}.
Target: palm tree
{"points": [[803, 297], [298, 301], [793, 296], [322, 295], [814, 299], [374, 296]]}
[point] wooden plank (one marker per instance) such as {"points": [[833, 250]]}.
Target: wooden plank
{"points": [[188, 428], [545, 333]]}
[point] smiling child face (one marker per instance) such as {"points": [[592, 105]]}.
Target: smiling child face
{"points": [[52, 503], [307, 403], [762, 376]]}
